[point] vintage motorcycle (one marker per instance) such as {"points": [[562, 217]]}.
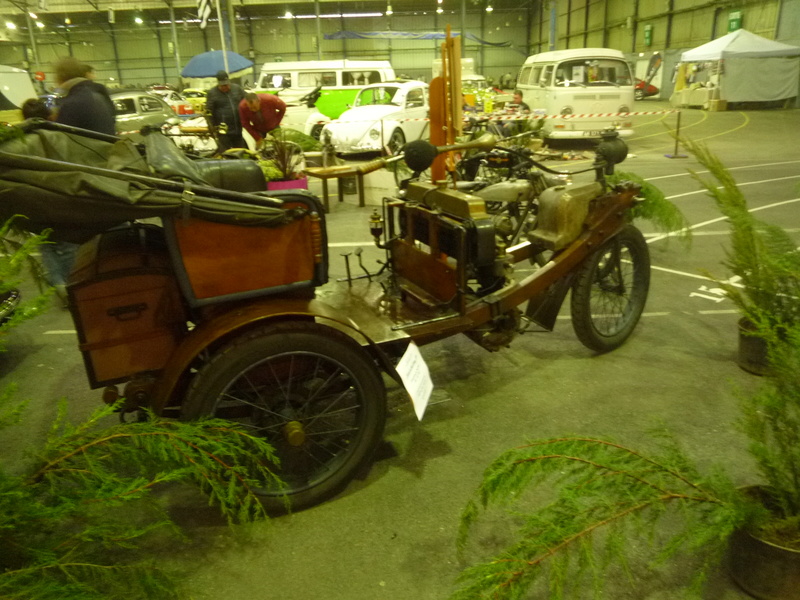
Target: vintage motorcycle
{"points": [[196, 293]]}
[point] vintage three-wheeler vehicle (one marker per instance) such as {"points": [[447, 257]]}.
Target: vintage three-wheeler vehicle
{"points": [[195, 293]]}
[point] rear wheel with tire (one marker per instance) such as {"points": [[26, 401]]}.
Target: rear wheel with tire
{"points": [[610, 291], [312, 392]]}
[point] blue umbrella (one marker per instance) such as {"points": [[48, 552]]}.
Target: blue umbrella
{"points": [[208, 63]]}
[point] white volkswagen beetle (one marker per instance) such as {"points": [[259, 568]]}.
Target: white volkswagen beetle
{"points": [[384, 115]]}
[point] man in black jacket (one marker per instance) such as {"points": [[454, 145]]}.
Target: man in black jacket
{"points": [[83, 104], [222, 108]]}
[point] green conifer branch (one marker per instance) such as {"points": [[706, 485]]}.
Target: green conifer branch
{"points": [[655, 208], [577, 538]]}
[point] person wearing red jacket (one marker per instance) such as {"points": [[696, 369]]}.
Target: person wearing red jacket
{"points": [[260, 114]]}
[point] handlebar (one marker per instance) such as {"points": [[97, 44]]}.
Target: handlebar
{"points": [[612, 150], [485, 142]]}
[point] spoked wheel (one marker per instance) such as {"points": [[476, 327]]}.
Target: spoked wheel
{"points": [[610, 291], [313, 393]]}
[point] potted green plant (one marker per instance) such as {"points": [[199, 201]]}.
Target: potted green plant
{"points": [[283, 158], [608, 498], [598, 497], [763, 260]]}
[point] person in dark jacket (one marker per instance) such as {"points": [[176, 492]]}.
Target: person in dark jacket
{"points": [[89, 73], [83, 105], [222, 109]]}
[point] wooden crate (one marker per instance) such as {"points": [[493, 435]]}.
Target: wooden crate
{"points": [[125, 304]]}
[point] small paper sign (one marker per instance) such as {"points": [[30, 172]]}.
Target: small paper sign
{"points": [[416, 378]]}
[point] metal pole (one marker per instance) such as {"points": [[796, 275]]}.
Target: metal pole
{"points": [[464, 28], [116, 52], [232, 26], [222, 38], [319, 31], [175, 50], [677, 138], [161, 54], [34, 50], [296, 38]]}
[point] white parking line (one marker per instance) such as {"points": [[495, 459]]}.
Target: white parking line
{"points": [[687, 174], [704, 191], [717, 220]]}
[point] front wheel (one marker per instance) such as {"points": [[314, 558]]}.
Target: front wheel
{"points": [[312, 392], [610, 291], [396, 141]]}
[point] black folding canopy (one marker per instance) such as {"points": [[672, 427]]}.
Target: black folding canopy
{"points": [[80, 183]]}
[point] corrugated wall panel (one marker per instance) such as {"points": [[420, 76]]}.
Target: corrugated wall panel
{"points": [[140, 61]]}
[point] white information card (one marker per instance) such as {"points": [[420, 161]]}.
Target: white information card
{"points": [[416, 378]]}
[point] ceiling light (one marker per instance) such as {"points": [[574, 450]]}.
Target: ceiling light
{"points": [[489, 8], [138, 20], [440, 10], [334, 16], [288, 15], [67, 21], [40, 25], [33, 15], [388, 10], [10, 25]]}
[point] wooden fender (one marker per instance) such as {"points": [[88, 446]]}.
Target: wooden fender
{"points": [[235, 320]]}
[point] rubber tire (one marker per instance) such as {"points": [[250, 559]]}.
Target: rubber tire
{"points": [[316, 131], [396, 141], [638, 94], [245, 352], [634, 294]]}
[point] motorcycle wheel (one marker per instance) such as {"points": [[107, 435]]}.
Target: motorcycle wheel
{"points": [[610, 291], [312, 392]]}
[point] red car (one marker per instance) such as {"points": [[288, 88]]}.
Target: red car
{"points": [[642, 90], [179, 104]]}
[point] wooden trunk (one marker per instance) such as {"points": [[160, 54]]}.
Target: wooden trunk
{"points": [[219, 262], [125, 304]]}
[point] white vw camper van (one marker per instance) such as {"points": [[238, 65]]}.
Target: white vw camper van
{"points": [[340, 80], [581, 81]]}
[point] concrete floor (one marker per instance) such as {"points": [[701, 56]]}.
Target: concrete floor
{"points": [[392, 535]]}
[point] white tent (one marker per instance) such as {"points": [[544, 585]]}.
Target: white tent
{"points": [[751, 68]]}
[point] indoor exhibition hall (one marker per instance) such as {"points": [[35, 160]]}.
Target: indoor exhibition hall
{"points": [[400, 299]]}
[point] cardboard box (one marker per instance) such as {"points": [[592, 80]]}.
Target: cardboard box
{"points": [[717, 105]]}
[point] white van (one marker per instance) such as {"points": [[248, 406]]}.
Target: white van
{"points": [[582, 81], [340, 80], [15, 87]]}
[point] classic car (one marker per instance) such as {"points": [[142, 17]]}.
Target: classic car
{"points": [[384, 116]]}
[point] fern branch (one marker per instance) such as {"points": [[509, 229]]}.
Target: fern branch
{"points": [[625, 449]]}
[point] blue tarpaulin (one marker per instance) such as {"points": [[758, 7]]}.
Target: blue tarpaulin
{"points": [[404, 35], [208, 63]]}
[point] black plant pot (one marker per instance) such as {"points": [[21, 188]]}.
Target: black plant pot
{"points": [[752, 350], [764, 570]]}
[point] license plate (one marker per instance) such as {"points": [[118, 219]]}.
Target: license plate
{"points": [[591, 134]]}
